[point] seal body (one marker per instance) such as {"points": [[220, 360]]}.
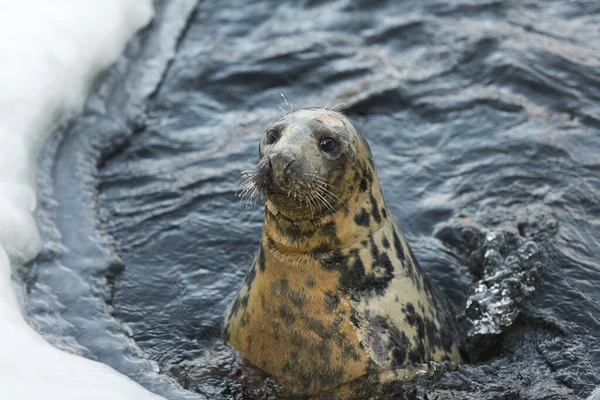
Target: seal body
{"points": [[334, 292]]}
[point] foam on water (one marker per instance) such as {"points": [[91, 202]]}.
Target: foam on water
{"points": [[51, 54]]}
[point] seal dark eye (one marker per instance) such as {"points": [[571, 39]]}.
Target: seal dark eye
{"points": [[327, 144], [272, 136]]}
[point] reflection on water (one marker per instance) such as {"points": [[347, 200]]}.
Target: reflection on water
{"points": [[483, 120]]}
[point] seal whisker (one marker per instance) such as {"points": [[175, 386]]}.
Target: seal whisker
{"points": [[325, 202], [250, 196], [245, 186], [336, 106], [286, 102], [247, 189], [333, 196], [322, 181], [326, 185], [331, 206], [257, 193], [244, 197], [310, 205]]}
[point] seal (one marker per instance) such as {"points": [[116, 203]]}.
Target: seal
{"points": [[334, 292]]}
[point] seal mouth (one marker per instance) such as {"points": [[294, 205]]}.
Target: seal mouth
{"points": [[306, 195], [286, 197], [310, 197], [278, 197]]}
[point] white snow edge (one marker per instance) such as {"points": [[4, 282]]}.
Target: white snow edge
{"points": [[51, 53]]}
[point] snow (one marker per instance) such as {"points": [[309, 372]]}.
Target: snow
{"points": [[51, 53]]}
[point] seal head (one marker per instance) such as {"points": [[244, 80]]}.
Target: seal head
{"points": [[303, 163]]}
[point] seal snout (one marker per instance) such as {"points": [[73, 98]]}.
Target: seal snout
{"points": [[276, 172], [263, 174], [281, 171]]}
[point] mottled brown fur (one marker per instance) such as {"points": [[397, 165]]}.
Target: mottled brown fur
{"points": [[333, 296]]}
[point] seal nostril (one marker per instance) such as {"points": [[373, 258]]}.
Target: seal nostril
{"points": [[268, 171], [264, 173], [280, 163], [288, 166]]}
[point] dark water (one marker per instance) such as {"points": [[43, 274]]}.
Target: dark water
{"points": [[484, 120]]}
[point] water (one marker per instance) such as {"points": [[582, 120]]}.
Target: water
{"points": [[484, 122]]}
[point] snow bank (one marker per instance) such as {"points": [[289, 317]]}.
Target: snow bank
{"points": [[51, 52]]}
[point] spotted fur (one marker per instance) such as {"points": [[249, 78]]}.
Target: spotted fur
{"points": [[339, 296]]}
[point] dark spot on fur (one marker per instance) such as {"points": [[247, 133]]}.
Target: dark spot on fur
{"points": [[286, 314], [321, 248], [339, 172], [353, 277], [322, 371], [367, 174], [401, 345], [250, 275], [316, 326], [409, 309], [383, 337], [443, 337], [244, 301], [275, 328], [280, 287], [235, 306], [417, 353], [245, 319], [329, 234], [335, 261], [375, 212], [329, 229], [363, 185], [385, 242], [398, 246], [362, 218], [381, 264], [332, 300], [349, 351], [292, 231], [298, 340], [384, 212], [297, 298], [291, 364], [311, 282]]}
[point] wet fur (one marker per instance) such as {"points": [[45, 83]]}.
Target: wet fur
{"points": [[338, 296]]}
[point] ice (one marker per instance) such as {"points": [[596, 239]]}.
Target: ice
{"points": [[51, 53], [595, 394]]}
